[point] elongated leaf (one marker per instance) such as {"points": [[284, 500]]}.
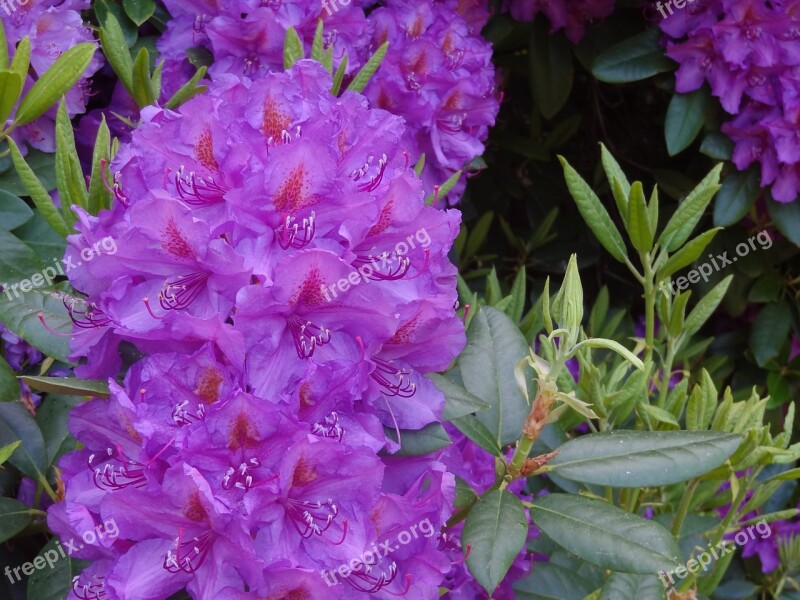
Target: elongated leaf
{"points": [[614, 347], [10, 87], [736, 197], [53, 420], [143, 91], [638, 220], [71, 185], [633, 59], [54, 583], [416, 442], [13, 211], [685, 219], [687, 255], [444, 189], [18, 263], [115, 49], [22, 59], [338, 77], [292, 48], [188, 90], [3, 47], [494, 347], [9, 388], [368, 70], [14, 517], [518, 296], [551, 69], [37, 192], [496, 529], [458, 401], [21, 317], [770, 332], [605, 535], [69, 386], [99, 194], [594, 213], [7, 451], [477, 432], [614, 171], [627, 586], [55, 82], [685, 117], [17, 424], [707, 305], [642, 458], [317, 49], [550, 581]]}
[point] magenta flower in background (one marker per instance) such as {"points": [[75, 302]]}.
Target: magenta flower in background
{"points": [[288, 287], [749, 54], [572, 16]]}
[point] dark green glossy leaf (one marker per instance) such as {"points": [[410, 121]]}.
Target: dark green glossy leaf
{"points": [[633, 59]]}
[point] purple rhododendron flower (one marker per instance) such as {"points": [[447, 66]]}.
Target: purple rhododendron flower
{"points": [[287, 287], [53, 26], [749, 54], [570, 15], [439, 77]]}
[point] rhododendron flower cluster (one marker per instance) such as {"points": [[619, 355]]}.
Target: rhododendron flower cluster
{"points": [[282, 288], [749, 54], [439, 77], [570, 15], [53, 26]]}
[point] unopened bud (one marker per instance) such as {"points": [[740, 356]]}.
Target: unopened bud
{"points": [[568, 305]]}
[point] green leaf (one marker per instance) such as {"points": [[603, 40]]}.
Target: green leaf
{"points": [[614, 171], [687, 254], [14, 517], [37, 192], [717, 146], [494, 347], [477, 432], [368, 70], [17, 263], [770, 331], [642, 458], [605, 535], [9, 388], [3, 47], [550, 581], [52, 416], [551, 69], [70, 386], [443, 189], [10, 87], [143, 92], [21, 317], [786, 217], [22, 59], [685, 117], [458, 401], [139, 10], [628, 586], [686, 217], [99, 194], [115, 49], [41, 238], [638, 220], [518, 296], [416, 442], [496, 530], [736, 197], [7, 451], [71, 184], [767, 288], [660, 415], [633, 59], [594, 213], [17, 424], [317, 47], [13, 211], [614, 347], [292, 48], [55, 82], [478, 235], [54, 583], [338, 77], [705, 307], [188, 90]]}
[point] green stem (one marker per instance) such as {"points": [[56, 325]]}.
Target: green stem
{"points": [[683, 509], [649, 306], [665, 379]]}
